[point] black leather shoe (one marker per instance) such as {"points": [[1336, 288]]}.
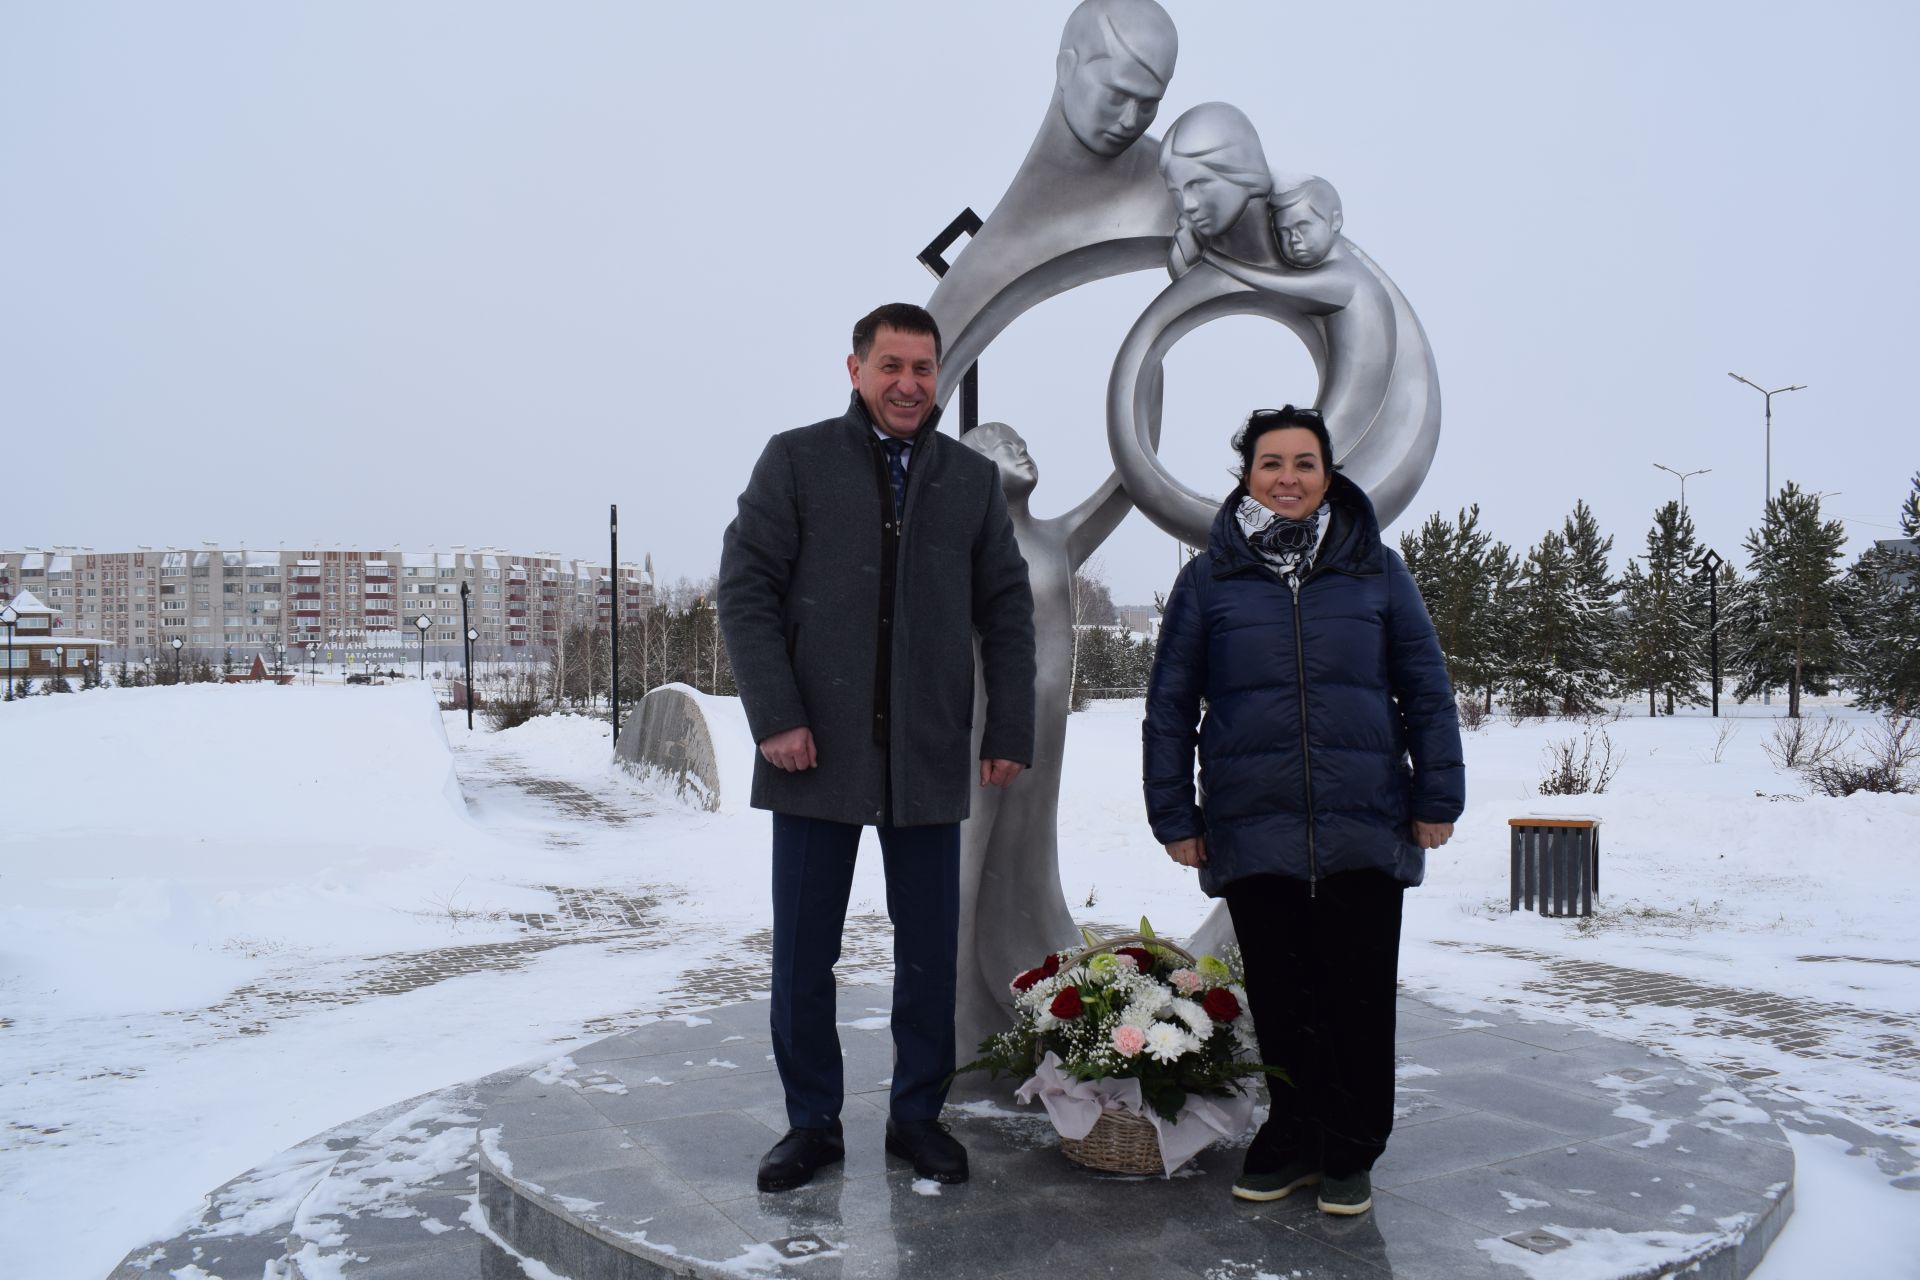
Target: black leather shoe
{"points": [[798, 1156], [934, 1152]]}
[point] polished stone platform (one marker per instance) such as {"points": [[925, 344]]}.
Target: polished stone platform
{"points": [[1521, 1149]]}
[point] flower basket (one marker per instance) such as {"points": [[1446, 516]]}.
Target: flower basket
{"points": [[1119, 1142], [1136, 1048]]}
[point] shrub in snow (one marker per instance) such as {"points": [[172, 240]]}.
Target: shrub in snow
{"points": [[1889, 765], [1580, 766], [1473, 714], [1803, 744]]}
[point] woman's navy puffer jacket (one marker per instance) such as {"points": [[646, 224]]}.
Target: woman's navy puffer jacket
{"points": [[1329, 721]]}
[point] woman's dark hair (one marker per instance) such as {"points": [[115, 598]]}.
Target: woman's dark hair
{"points": [[1261, 421]]}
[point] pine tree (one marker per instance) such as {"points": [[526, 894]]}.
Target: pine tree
{"points": [[1880, 630], [1880, 619], [1786, 623], [1461, 572], [1663, 646], [1587, 657], [1536, 684]]}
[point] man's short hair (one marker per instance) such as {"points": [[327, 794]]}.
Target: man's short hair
{"points": [[1138, 30], [1318, 193], [901, 316]]}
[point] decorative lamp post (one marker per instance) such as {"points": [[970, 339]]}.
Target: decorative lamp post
{"points": [[177, 644], [1711, 562], [423, 622], [312, 645], [1683, 480], [8, 616], [466, 648], [472, 635], [1798, 386], [59, 665]]}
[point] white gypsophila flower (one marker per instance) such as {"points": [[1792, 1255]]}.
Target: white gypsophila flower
{"points": [[1165, 1041], [1194, 1016]]}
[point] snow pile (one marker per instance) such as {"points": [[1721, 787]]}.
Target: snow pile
{"points": [[178, 830]]}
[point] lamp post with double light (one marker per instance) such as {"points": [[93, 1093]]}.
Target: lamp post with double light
{"points": [[1798, 386], [1684, 476]]}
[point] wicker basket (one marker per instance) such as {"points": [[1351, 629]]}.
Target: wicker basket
{"points": [[1120, 1142]]}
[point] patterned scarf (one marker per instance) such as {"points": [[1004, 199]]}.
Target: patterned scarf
{"points": [[1287, 545]]}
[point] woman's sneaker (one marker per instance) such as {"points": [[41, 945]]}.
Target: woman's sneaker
{"points": [[1351, 1194], [1278, 1184]]}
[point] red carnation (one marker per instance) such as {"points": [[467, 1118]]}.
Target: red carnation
{"points": [[1066, 1006], [1033, 977], [1141, 957], [1220, 1005]]}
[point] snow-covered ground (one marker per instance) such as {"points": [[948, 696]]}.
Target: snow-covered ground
{"points": [[231, 917]]}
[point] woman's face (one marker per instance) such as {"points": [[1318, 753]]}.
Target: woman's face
{"points": [[1210, 202], [1288, 476]]}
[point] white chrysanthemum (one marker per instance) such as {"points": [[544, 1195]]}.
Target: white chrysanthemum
{"points": [[1136, 1015], [1165, 1041], [1152, 996], [1195, 1017]]}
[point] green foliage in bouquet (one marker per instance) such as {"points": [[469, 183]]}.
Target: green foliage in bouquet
{"points": [[1132, 1007]]}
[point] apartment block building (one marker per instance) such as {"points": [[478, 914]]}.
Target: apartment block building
{"points": [[215, 600]]}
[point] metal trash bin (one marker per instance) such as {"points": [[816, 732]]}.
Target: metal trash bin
{"points": [[1556, 860]]}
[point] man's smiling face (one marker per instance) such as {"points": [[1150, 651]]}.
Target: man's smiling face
{"points": [[896, 380]]}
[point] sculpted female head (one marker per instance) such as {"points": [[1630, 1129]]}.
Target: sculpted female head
{"points": [[1214, 166]]}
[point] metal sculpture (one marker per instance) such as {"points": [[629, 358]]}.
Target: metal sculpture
{"points": [[1097, 196]]}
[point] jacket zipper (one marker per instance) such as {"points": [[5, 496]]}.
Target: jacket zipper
{"points": [[1306, 759]]}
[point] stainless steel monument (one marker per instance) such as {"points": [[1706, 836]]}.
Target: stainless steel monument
{"points": [[1098, 196]]}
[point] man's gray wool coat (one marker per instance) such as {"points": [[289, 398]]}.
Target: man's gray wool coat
{"points": [[801, 604]]}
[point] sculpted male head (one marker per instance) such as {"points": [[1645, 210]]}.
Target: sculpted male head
{"points": [[1307, 221], [1116, 57], [1214, 165]]}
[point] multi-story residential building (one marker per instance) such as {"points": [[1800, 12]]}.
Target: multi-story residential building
{"points": [[217, 601]]}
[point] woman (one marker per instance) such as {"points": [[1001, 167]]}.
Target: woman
{"points": [[1215, 170], [1306, 641]]}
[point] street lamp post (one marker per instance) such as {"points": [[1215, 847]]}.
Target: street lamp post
{"points": [[312, 645], [423, 622], [59, 667], [466, 650], [1711, 562], [1798, 386], [8, 617], [619, 598], [178, 644], [1683, 481]]}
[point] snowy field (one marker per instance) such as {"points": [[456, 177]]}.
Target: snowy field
{"points": [[231, 917]]}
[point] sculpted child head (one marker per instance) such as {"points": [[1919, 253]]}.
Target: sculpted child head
{"points": [[1214, 166], [1307, 221], [1116, 57], [1001, 445]]}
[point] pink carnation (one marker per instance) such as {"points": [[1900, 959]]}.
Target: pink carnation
{"points": [[1129, 1040], [1186, 981]]}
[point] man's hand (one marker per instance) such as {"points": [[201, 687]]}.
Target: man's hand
{"points": [[1191, 852], [1431, 835], [791, 750], [998, 773]]}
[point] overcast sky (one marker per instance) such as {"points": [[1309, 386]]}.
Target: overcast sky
{"points": [[372, 274]]}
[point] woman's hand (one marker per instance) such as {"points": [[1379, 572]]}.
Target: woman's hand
{"points": [[1431, 835], [1189, 853]]}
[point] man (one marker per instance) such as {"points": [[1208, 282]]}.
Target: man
{"points": [[868, 553]]}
